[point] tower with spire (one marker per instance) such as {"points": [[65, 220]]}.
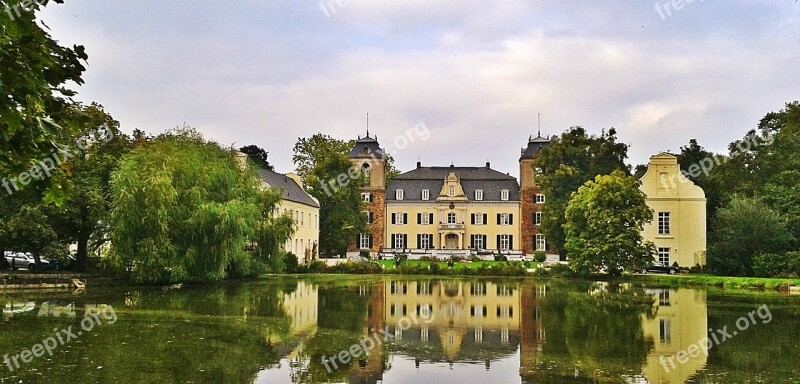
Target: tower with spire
{"points": [[370, 158], [531, 195]]}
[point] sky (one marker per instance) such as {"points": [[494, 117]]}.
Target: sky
{"points": [[443, 81]]}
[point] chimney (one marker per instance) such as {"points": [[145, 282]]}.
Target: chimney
{"points": [[419, 164], [488, 164]]}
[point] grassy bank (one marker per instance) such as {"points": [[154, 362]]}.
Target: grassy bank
{"points": [[718, 281]]}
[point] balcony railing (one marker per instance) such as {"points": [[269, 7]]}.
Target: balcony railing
{"points": [[451, 227]]}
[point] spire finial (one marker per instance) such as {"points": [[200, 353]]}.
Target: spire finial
{"points": [[539, 133], [367, 124]]}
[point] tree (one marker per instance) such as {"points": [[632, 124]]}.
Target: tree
{"points": [[258, 155], [183, 209], [604, 222], [36, 107], [570, 161], [341, 217], [693, 159], [744, 229], [29, 231], [272, 233], [312, 151]]}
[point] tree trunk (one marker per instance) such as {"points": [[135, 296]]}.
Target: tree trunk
{"points": [[82, 255], [38, 260]]}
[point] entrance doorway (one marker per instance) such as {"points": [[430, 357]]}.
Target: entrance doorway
{"points": [[451, 241]]}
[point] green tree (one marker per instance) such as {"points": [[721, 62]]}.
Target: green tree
{"points": [[604, 222], [312, 151], [744, 229], [341, 207], [36, 107], [258, 155], [183, 209], [272, 233], [29, 231], [570, 161], [692, 159]]}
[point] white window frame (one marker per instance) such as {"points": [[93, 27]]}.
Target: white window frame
{"points": [[478, 194], [505, 243], [426, 194], [363, 240], [477, 240], [370, 217], [366, 197], [453, 216], [664, 253], [425, 241], [504, 194], [398, 194], [424, 219], [399, 219], [539, 198], [541, 243], [504, 219], [398, 241], [664, 224], [451, 190], [479, 219], [537, 219]]}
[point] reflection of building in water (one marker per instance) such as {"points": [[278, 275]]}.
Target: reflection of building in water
{"points": [[301, 307], [680, 322], [467, 321], [531, 328], [369, 369]]}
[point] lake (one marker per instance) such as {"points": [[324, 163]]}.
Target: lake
{"points": [[351, 329]]}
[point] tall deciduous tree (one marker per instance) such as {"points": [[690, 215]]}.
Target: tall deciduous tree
{"points": [[258, 155], [183, 209], [570, 161], [744, 229], [35, 110], [604, 222]]}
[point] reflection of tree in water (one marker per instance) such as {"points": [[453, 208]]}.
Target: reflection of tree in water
{"points": [[594, 332]]}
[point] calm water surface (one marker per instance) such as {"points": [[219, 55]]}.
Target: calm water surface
{"points": [[309, 330]]}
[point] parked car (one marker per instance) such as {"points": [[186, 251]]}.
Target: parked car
{"points": [[24, 260], [661, 268]]}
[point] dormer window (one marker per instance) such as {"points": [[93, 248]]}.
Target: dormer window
{"points": [[426, 194], [398, 194], [504, 195], [478, 194], [451, 191]]}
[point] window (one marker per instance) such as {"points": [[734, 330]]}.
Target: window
{"points": [[370, 217], [479, 194], [504, 219], [665, 331], [663, 223], [302, 218], [399, 218], [451, 218], [537, 218], [399, 241], [398, 194], [451, 191], [663, 298], [477, 289], [541, 244], [364, 241], [365, 169], [424, 218], [366, 197], [426, 194], [478, 241], [539, 198], [478, 219], [425, 241], [505, 242], [504, 195], [663, 256]]}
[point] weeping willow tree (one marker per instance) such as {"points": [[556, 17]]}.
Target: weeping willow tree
{"points": [[186, 210]]}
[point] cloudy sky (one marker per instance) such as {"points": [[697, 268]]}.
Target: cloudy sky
{"points": [[474, 72]]}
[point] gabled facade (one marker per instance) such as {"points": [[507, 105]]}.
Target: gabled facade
{"points": [[678, 229]]}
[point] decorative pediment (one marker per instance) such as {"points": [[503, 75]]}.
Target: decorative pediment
{"points": [[452, 189]]}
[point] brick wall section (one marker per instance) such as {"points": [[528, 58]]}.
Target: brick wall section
{"points": [[527, 226], [378, 222]]}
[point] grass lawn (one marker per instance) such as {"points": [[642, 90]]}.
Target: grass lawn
{"points": [[720, 281]]}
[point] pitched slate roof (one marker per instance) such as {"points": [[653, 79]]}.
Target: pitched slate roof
{"points": [[535, 145], [290, 189], [472, 178], [367, 147]]}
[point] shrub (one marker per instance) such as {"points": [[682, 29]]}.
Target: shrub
{"points": [[316, 266], [411, 269], [290, 263], [775, 265], [500, 257], [356, 268], [400, 258], [435, 268], [474, 258], [427, 258], [540, 256]]}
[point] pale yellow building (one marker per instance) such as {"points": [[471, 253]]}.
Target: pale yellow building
{"points": [[302, 208], [453, 209], [678, 229]]}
